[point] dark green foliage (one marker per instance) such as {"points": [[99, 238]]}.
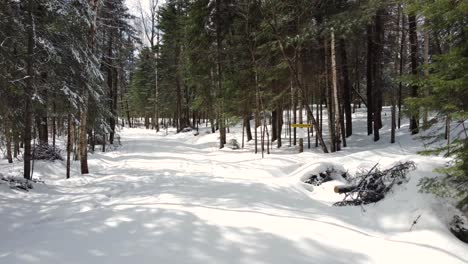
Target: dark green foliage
{"points": [[445, 92]]}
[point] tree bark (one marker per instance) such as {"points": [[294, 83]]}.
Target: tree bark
{"points": [[69, 143], [83, 140], [331, 115], [402, 62], [336, 102], [28, 93], [378, 74], [346, 89], [369, 78], [413, 38], [8, 137], [279, 125]]}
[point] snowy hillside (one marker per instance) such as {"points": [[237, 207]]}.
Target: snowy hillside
{"points": [[177, 198]]}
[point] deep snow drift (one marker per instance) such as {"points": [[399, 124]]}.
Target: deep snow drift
{"points": [[176, 198]]}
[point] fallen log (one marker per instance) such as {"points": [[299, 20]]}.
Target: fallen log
{"points": [[372, 186], [344, 188]]}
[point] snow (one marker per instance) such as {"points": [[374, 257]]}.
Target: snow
{"points": [[177, 198]]}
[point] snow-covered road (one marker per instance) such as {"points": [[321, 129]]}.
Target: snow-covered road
{"points": [[178, 199]]}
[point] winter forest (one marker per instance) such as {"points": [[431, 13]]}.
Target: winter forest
{"points": [[233, 131]]}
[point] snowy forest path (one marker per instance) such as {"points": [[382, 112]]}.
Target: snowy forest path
{"points": [[178, 199]]}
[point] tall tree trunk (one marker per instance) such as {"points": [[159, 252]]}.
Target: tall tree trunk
{"points": [[110, 86], [179, 124], [257, 114], [393, 92], [426, 71], [369, 77], [84, 111], [402, 62], [336, 102], [346, 89], [413, 38], [28, 93], [219, 48], [331, 115], [300, 100], [378, 74], [294, 112]]}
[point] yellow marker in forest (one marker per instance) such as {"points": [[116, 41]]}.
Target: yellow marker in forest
{"points": [[301, 125]]}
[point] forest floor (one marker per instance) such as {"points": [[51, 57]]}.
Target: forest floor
{"points": [[177, 198]]}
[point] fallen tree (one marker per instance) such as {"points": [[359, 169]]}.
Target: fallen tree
{"points": [[371, 186]]}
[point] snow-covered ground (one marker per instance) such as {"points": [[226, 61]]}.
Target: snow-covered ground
{"points": [[177, 198]]}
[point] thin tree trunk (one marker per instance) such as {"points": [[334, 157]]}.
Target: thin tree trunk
{"points": [[378, 74], [69, 142], [369, 77], [300, 100], [279, 125], [331, 115], [110, 86], [243, 133], [447, 133], [8, 137], [402, 62], [84, 111], [336, 102], [294, 112], [413, 38], [426, 71], [84, 137], [54, 123], [219, 48], [346, 89]]}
